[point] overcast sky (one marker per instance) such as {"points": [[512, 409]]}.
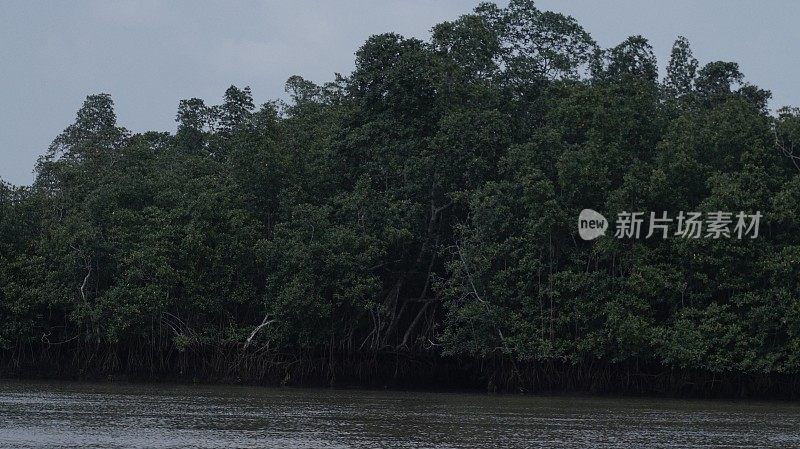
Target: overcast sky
{"points": [[150, 54]]}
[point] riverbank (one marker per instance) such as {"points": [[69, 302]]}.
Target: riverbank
{"points": [[393, 370]]}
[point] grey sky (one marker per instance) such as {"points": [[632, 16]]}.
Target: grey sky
{"points": [[150, 54]]}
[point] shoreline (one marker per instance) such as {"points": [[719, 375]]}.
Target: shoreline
{"points": [[414, 372]]}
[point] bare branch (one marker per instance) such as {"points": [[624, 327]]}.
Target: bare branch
{"points": [[787, 151], [265, 322], [86, 280]]}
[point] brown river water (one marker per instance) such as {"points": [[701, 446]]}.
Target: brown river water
{"points": [[113, 415]]}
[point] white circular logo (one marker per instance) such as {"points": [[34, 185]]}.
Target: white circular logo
{"points": [[591, 224]]}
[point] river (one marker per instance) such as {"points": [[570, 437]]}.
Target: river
{"points": [[114, 415]]}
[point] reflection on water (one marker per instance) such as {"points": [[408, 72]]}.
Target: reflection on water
{"points": [[50, 415]]}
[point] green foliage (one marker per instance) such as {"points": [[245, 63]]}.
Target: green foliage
{"points": [[425, 203], [682, 68]]}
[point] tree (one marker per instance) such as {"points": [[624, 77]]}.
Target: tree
{"points": [[682, 68], [420, 213]]}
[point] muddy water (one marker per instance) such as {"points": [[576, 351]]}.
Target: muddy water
{"points": [[83, 415]]}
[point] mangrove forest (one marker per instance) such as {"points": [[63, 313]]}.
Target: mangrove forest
{"points": [[414, 223]]}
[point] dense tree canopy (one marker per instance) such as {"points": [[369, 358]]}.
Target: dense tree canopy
{"points": [[426, 204]]}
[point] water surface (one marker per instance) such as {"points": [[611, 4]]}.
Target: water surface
{"points": [[112, 415]]}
